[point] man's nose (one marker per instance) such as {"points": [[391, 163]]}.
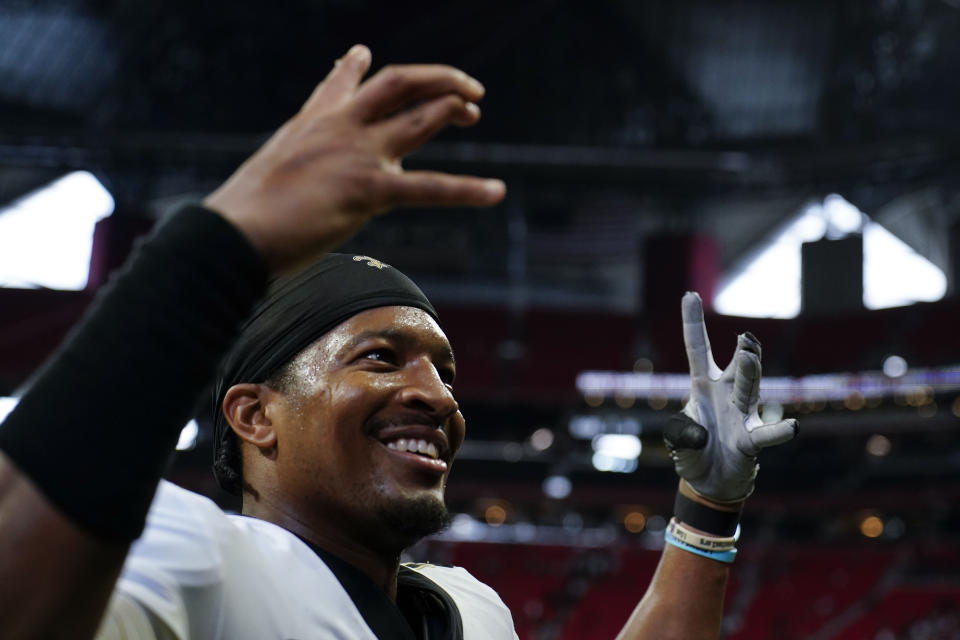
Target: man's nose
{"points": [[424, 389]]}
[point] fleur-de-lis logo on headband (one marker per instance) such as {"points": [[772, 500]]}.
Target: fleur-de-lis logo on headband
{"points": [[371, 262]]}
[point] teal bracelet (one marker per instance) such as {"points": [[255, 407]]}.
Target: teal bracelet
{"points": [[719, 556]]}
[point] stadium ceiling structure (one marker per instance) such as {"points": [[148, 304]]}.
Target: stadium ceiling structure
{"points": [[613, 121]]}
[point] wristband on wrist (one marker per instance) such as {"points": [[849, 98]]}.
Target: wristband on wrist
{"points": [[726, 557], [164, 321], [699, 540], [701, 517]]}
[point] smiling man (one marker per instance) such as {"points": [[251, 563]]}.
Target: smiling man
{"points": [[338, 425], [336, 416], [369, 428], [348, 441]]}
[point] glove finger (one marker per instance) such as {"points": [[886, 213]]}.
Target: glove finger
{"points": [[769, 435], [746, 381], [695, 335], [746, 341], [682, 432]]}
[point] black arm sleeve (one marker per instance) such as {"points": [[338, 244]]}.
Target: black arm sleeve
{"points": [[99, 422]]}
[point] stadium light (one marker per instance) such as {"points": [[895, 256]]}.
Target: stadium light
{"points": [[541, 439], [557, 487], [635, 522], [604, 462], [617, 445], [616, 452], [495, 515], [878, 445], [871, 526], [894, 366]]}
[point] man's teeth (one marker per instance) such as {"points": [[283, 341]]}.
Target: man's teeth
{"points": [[415, 446]]}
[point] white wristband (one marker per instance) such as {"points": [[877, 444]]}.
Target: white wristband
{"points": [[700, 540]]}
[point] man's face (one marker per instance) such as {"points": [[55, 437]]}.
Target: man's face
{"points": [[367, 426]]}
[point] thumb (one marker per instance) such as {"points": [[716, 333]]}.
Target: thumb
{"points": [[768, 435], [682, 432]]}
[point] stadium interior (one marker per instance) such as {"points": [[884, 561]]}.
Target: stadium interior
{"points": [[794, 162]]}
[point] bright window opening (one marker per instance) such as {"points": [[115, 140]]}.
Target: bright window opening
{"points": [[46, 237], [768, 285]]}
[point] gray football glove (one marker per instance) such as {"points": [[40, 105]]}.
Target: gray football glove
{"points": [[715, 439]]}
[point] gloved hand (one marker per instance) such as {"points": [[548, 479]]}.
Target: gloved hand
{"points": [[715, 439]]}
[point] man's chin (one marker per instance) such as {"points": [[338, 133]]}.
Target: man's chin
{"points": [[415, 518]]}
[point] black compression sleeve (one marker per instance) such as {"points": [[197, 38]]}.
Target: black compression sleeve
{"points": [[98, 424]]}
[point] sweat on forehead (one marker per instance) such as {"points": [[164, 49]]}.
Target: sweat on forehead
{"points": [[299, 309]]}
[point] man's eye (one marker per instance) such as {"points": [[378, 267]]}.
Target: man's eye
{"points": [[380, 355], [447, 375]]}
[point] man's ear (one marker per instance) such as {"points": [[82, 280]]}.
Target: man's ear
{"points": [[244, 407]]}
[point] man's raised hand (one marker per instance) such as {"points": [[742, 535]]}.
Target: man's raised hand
{"points": [[715, 439], [337, 163]]}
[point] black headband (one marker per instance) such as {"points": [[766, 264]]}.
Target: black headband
{"points": [[299, 309]]}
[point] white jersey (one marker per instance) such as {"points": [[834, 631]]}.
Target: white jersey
{"points": [[207, 575]]}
